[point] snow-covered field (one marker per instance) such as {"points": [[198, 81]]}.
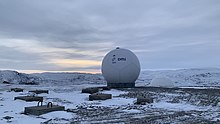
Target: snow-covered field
{"points": [[68, 96], [198, 102], [169, 105]]}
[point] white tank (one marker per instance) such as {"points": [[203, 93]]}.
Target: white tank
{"points": [[162, 82], [120, 68]]}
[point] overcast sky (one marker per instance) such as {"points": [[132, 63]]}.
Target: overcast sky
{"points": [[74, 35]]}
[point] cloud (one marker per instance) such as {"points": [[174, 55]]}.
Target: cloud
{"points": [[181, 34], [26, 55]]}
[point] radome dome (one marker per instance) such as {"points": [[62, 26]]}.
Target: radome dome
{"points": [[120, 68]]}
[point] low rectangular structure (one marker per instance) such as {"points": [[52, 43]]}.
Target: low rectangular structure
{"points": [[17, 89], [39, 91], [30, 98], [39, 110], [90, 90], [99, 96]]}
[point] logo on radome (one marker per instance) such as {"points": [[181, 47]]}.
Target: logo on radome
{"points": [[121, 59]]}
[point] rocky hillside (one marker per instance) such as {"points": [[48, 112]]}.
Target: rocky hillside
{"points": [[18, 78], [70, 78], [50, 78], [182, 77]]}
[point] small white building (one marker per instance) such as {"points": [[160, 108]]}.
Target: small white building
{"points": [[162, 82]]}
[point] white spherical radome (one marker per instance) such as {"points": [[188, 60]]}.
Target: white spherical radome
{"points": [[120, 68]]}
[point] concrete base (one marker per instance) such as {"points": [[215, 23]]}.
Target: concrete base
{"points": [[29, 98], [143, 100], [39, 110], [39, 91], [99, 96], [121, 85], [17, 89], [90, 90]]}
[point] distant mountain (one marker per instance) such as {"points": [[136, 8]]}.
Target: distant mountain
{"points": [[182, 77], [50, 78], [185, 77], [70, 78]]}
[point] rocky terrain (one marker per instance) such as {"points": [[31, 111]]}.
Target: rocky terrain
{"points": [[18, 78], [183, 106]]}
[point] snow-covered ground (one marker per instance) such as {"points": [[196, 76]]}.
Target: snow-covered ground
{"points": [[68, 96], [195, 98], [15, 108], [119, 109]]}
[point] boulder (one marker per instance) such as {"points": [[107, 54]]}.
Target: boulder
{"points": [[6, 82], [142, 100], [8, 117]]}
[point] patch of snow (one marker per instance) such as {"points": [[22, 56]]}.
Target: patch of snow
{"points": [[69, 99], [24, 119], [116, 102], [132, 111], [177, 106], [58, 114], [13, 108], [201, 87]]}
